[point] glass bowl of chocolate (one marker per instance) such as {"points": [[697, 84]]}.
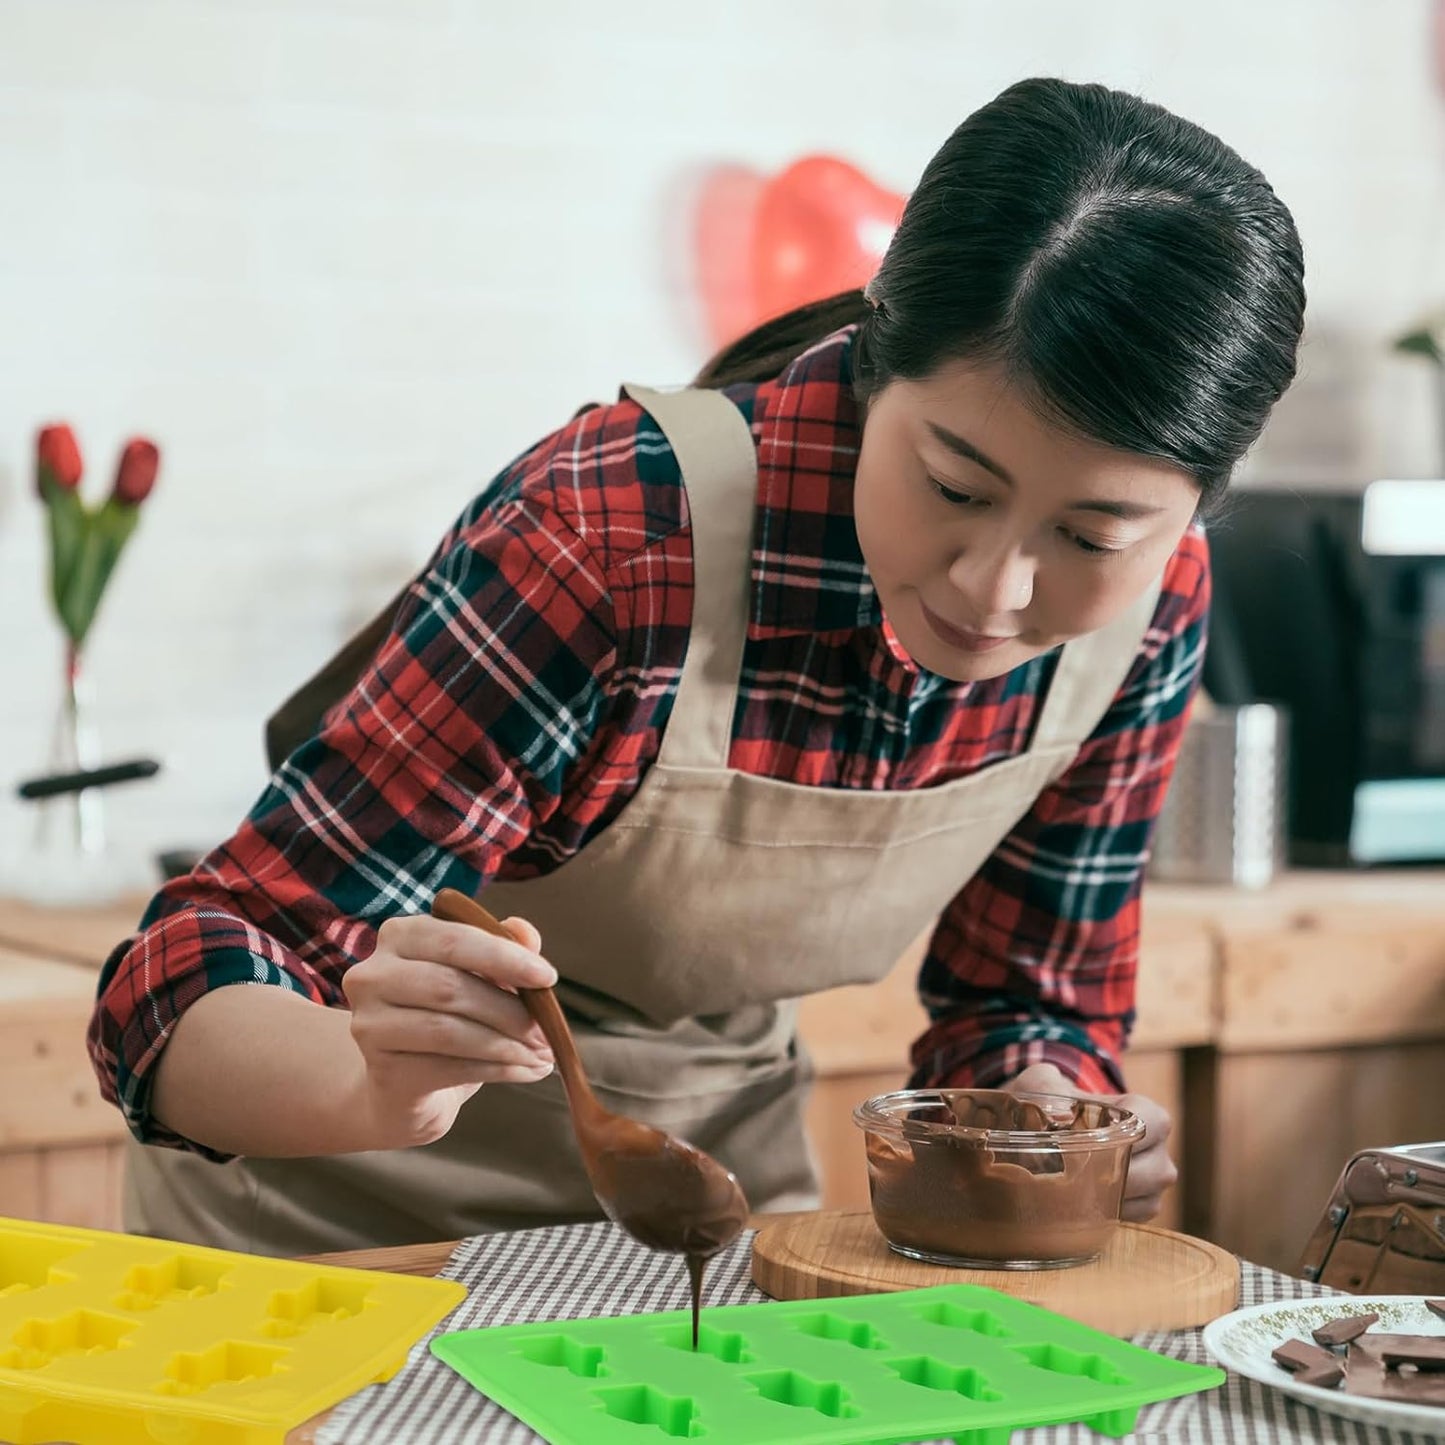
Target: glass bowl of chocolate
{"points": [[994, 1180]]}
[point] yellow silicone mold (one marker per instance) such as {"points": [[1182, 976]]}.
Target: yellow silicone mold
{"points": [[115, 1339]]}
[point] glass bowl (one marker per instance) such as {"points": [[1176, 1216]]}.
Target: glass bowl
{"points": [[996, 1180]]}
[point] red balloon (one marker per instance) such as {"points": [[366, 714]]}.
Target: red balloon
{"points": [[766, 245], [822, 227], [727, 208]]}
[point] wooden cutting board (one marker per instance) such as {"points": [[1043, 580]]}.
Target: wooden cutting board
{"points": [[1146, 1279]]}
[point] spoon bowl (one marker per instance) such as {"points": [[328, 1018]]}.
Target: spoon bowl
{"points": [[664, 1192]]}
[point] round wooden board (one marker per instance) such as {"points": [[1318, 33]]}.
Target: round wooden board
{"points": [[1146, 1279]]}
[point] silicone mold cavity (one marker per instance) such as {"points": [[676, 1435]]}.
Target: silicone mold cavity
{"points": [[934, 1374], [951, 1317], [562, 1352], [858, 1333], [642, 1405], [787, 1387], [178, 1278], [1060, 1361], [230, 1362], [728, 1346], [30, 1263], [292, 1311], [81, 1332]]}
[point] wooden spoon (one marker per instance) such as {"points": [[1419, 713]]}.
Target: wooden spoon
{"points": [[658, 1188]]}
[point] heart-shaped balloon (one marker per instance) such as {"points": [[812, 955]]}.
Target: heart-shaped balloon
{"points": [[765, 246], [822, 227]]}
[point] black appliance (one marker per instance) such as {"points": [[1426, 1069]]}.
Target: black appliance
{"points": [[1332, 604]]}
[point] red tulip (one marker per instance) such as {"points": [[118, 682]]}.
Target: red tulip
{"points": [[57, 456], [139, 463]]}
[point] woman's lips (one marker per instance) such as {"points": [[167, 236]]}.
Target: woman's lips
{"points": [[962, 638]]}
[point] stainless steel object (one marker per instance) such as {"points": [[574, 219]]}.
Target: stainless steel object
{"points": [[1383, 1227], [1224, 818]]}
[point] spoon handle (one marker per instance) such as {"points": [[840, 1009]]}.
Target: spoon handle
{"points": [[452, 906]]}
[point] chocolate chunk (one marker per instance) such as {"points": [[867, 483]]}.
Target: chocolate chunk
{"points": [[1325, 1376], [1343, 1330], [1301, 1355], [1365, 1374], [1425, 1351], [957, 1196], [1029, 1116], [1436, 1307]]}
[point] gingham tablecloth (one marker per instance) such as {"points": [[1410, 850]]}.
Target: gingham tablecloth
{"points": [[595, 1269]]}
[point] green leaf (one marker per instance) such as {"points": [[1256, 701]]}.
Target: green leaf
{"points": [[1421, 343], [69, 522], [109, 530]]}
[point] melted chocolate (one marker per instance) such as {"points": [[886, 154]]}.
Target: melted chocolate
{"points": [[658, 1188], [966, 1198], [670, 1196]]}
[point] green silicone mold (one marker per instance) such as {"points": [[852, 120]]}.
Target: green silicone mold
{"points": [[957, 1361]]}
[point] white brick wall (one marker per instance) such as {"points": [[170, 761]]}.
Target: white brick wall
{"points": [[343, 258]]}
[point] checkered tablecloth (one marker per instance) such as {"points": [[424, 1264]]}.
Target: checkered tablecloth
{"points": [[594, 1269]]}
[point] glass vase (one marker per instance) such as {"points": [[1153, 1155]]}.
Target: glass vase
{"points": [[69, 860], [73, 824]]}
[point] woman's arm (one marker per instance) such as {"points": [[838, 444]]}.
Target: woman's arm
{"points": [[425, 776], [292, 1076], [434, 1015]]}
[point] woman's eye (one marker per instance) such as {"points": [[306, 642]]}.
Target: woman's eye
{"points": [[951, 495], [1084, 545]]}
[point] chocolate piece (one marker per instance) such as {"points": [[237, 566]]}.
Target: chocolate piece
{"points": [[1344, 1329], [1326, 1377], [972, 1197], [1436, 1307], [1427, 1352], [1301, 1355], [1367, 1374]]}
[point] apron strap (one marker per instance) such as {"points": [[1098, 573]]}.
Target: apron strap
{"points": [[714, 448], [1089, 674]]}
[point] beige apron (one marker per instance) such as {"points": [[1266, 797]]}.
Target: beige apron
{"points": [[682, 934]]}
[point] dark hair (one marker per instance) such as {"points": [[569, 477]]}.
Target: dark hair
{"points": [[1138, 278]]}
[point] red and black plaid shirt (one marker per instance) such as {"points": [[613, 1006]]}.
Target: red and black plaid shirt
{"points": [[521, 698]]}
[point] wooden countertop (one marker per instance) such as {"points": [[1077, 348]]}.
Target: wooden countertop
{"points": [[71, 935], [48, 1094]]}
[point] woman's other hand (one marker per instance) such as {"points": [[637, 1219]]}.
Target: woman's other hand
{"points": [[1151, 1170]]}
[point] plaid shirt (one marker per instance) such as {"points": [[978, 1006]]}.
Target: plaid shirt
{"points": [[521, 697]]}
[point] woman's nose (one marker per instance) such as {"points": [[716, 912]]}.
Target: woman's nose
{"points": [[993, 584]]}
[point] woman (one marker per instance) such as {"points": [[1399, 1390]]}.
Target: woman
{"points": [[723, 696]]}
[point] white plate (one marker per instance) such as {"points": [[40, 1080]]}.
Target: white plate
{"points": [[1244, 1340]]}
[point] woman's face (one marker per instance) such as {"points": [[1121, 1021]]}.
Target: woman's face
{"points": [[992, 535]]}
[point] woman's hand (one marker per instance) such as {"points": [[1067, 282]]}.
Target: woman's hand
{"points": [[1151, 1170], [435, 1015]]}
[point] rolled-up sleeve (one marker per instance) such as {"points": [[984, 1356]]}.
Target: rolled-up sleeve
{"points": [[450, 749]]}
